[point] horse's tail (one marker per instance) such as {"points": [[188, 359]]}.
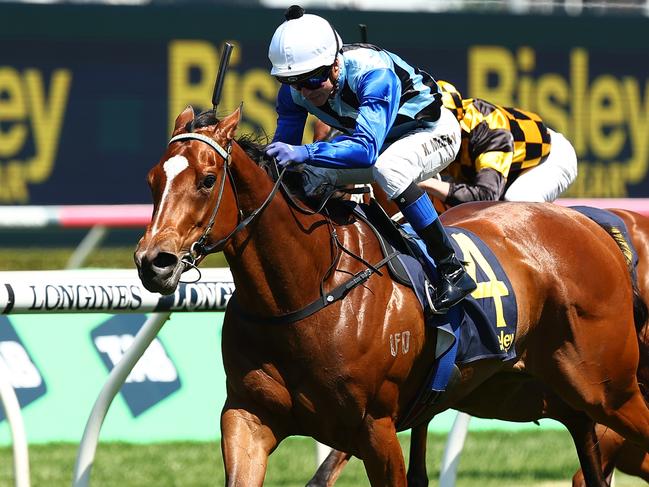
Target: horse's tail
{"points": [[642, 328], [640, 313], [640, 310]]}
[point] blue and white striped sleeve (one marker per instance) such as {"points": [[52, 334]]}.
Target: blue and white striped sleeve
{"points": [[379, 92]]}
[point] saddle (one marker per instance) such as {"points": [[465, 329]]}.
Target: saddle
{"points": [[479, 327]]}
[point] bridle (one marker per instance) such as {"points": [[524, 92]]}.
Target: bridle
{"points": [[200, 248]]}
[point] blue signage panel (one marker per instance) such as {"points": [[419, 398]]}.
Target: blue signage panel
{"points": [[18, 366], [153, 378]]}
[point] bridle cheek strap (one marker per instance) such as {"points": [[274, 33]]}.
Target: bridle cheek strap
{"points": [[198, 247]]}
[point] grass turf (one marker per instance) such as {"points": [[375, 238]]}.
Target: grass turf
{"points": [[509, 459]]}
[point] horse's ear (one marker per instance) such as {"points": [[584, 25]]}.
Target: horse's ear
{"points": [[229, 124], [183, 119]]}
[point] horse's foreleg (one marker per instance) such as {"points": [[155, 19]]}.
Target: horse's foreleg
{"points": [[381, 453], [610, 447], [417, 473], [246, 442], [582, 430], [633, 461], [330, 470]]}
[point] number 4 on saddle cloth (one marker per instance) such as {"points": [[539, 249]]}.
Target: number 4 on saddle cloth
{"points": [[484, 324]]}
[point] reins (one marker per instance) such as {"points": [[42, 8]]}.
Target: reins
{"points": [[200, 248]]}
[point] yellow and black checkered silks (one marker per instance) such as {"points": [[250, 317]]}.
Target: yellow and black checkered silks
{"points": [[508, 140]]}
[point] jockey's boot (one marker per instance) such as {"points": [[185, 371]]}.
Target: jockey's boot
{"points": [[453, 283]]}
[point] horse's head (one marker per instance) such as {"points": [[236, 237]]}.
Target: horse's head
{"points": [[190, 194]]}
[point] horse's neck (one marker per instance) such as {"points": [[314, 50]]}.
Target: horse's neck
{"points": [[282, 255]]}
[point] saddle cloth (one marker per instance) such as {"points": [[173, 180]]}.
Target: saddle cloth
{"points": [[483, 325]]}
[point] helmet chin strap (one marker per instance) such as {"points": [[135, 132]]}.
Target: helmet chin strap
{"points": [[334, 79]]}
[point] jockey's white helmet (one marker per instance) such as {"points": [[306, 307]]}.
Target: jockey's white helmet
{"points": [[303, 44]]}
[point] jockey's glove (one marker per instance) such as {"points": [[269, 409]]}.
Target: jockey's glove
{"points": [[285, 154]]}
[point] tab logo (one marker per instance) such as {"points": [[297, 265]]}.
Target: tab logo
{"points": [[31, 118], [17, 365], [153, 378]]}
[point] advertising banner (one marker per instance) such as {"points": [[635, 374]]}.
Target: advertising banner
{"points": [[58, 364], [89, 93]]}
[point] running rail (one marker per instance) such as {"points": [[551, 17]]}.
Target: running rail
{"points": [[98, 291]]}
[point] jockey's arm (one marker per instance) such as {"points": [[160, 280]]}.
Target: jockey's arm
{"points": [[492, 151], [489, 185], [379, 92], [291, 118]]}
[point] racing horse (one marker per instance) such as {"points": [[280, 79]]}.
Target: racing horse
{"points": [[614, 450], [306, 336]]}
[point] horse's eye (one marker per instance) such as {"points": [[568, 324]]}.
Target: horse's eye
{"points": [[209, 180]]}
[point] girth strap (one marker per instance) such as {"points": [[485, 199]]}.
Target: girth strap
{"points": [[336, 294]]}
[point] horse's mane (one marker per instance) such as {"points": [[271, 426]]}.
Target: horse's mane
{"points": [[253, 145]]}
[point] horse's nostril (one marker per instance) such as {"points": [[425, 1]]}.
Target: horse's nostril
{"points": [[164, 260]]}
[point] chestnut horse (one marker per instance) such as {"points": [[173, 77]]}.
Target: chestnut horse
{"points": [[615, 451], [301, 363]]}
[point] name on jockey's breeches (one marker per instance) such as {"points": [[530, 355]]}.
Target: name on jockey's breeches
{"points": [[436, 143]]}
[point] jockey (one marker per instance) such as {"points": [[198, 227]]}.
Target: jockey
{"points": [[394, 128], [506, 154]]}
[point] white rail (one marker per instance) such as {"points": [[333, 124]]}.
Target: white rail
{"points": [[117, 377], [19, 438], [108, 291], [97, 291]]}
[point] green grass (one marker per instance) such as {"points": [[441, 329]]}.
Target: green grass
{"points": [[508, 459]]}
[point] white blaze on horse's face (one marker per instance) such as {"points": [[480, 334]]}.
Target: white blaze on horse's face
{"points": [[172, 167]]}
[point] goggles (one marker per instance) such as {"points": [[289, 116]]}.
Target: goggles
{"points": [[310, 81]]}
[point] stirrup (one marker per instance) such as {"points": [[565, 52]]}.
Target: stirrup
{"points": [[462, 287], [430, 291]]}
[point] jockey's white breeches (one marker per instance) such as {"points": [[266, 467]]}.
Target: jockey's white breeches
{"points": [[416, 156], [548, 180]]}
